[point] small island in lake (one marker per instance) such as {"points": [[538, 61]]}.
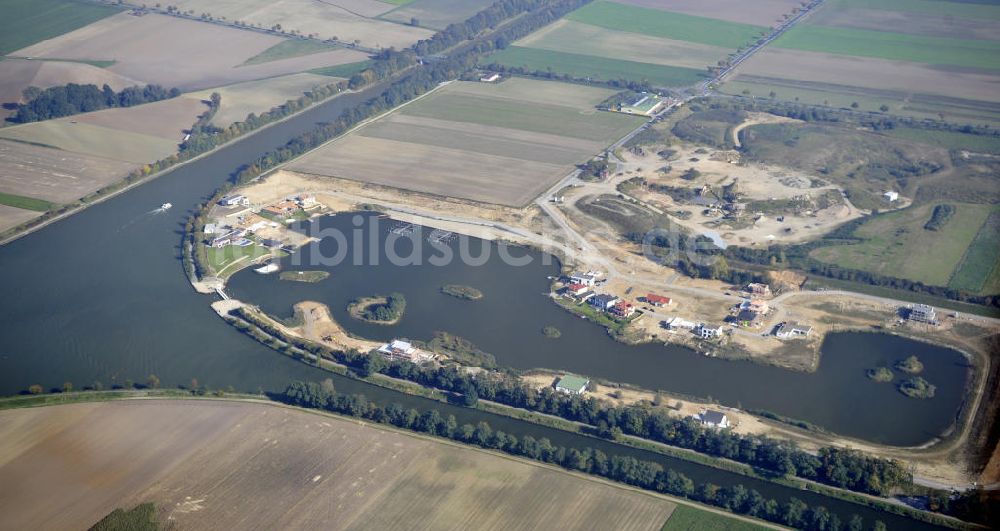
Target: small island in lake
{"points": [[910, 365], [378, 309], [917, 387], [303, 276], [462, 292], [551, 332], [880, 374]]}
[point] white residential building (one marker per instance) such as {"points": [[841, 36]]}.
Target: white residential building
{"points": [[714, 419], [707, 332], [403, 351]]}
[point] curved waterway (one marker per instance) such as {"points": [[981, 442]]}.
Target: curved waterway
{"points": [[508, 321], [102, 296]]}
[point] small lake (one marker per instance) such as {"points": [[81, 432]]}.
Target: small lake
{"points": [[508, 321]]}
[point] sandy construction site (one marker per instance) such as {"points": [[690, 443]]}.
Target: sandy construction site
{"points": [[239, 465]]}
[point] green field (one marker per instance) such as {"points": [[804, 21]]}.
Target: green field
{"points": [[27, 203], [943, 8], [26, 22], [896, 244], [344, 71], [287, 49], [222, 259], [894, 46], [666, 24], [582, 66], [527, 116], [687, 518], [948, 139], [979, 271]]}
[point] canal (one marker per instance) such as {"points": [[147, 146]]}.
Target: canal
{"points": [[101, 296]]}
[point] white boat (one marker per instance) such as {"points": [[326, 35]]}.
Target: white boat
{"points": [[165, 206], [267, 269]]}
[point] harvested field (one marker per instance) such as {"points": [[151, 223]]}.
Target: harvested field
{"points": [[256, 466], [573, 37], [241, 99], [494, 143], [437, 14], [758, 12], [54, 175], [175, 52], [12, 217], [140, 134], [347, 20], [916, 23], [433, 170], [871, 73]]}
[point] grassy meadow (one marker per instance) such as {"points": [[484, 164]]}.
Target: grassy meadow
{"points": [[666, 24], [344, 71], [895, 46], [26, 203], [287, 49], [590, 66], [979, 271], [687, 518], [897, 244], [25, 22]]}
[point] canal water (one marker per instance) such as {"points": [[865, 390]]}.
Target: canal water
{"points": [[507, 322], [101, 296]]}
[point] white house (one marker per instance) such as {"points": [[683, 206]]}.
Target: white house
{"points": [[603, 301], [403, 351], [923, 313], [793, 329], [234, 200], [891, 196], [587, 279], [707, 332], [714, 419]]}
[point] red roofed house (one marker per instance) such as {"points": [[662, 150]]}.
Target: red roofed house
{"points": [[658, 300], [622, 309], [576, 289]]}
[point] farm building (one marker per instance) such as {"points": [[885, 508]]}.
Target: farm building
{"points": [[572, 385], [923, 313], [714, 419], [658, 300], [403, 351], [491, 77], [793, 329], [891, 196], [644, 104]]}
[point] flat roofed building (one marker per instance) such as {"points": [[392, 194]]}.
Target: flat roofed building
{"points": [[923, 313], [793, 329], [572, 385], [402, 350]]}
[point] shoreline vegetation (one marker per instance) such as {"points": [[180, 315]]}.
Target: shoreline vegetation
{"points": [[462, 292], [378, 309], [304, 276], [880, 374], [910, 365]]}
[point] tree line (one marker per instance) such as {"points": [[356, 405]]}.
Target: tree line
{"points": [[842, 468], [69, 99], [626, 469]]}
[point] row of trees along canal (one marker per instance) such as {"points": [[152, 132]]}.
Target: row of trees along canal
{"points": [[836, 467], [769, 458]]}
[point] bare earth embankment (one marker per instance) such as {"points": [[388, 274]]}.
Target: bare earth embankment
{"points": [[214, 464]]}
